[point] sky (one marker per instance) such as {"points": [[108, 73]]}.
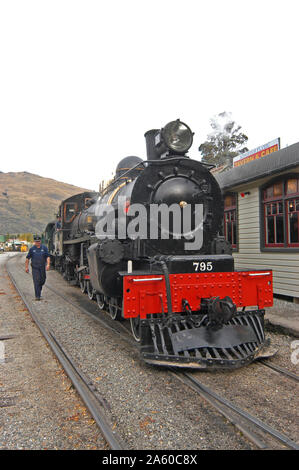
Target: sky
{"points": [[82, 81]]}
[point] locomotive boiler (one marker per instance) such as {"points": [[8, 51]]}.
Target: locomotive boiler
{"points": [[148, 249]]}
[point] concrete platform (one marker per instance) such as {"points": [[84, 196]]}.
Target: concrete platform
{"points": [[284, 317]]}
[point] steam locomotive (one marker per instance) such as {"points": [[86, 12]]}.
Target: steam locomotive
{"points": [[148, 248]]}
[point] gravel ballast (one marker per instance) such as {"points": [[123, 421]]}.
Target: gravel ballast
{"points": [[43, 411], [149, 407]]}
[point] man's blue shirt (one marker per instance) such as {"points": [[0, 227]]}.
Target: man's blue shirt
{"points": [[38, 256]]}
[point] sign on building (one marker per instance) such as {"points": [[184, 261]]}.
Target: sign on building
{"points": [[258, 152]]}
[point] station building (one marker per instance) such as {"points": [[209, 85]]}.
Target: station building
{"points": [[261, 204]]}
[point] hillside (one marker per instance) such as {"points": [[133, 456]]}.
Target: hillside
{"points": [[28, 202]]}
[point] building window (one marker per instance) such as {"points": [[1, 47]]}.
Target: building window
{"points": [[292, 222], [230, 219], [281, 213]]}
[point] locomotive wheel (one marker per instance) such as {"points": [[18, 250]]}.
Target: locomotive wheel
{"points": [[82, 284], [114, 310], [90, 291], [135, 327], [100, 301]]}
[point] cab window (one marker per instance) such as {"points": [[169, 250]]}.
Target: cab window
{"points": [[70, 209]]}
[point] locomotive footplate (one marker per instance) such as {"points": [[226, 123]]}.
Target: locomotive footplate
{"points": [[186, 341]]}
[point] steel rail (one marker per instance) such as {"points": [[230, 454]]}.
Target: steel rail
{"points": [[251, 436], [123, 334], [204, 391], [127, 338], [96, 318], [281, 370], [76, 377], [210, 395]]}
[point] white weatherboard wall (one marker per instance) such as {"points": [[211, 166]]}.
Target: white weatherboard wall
{"points": [[285, 266]]}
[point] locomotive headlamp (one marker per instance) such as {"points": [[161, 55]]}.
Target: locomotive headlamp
{"points": [[176, 137]]}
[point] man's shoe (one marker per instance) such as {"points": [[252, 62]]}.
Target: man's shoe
{"points": [[37, 298]]}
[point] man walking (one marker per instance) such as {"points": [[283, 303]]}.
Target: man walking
{"points": [[40, 262]]}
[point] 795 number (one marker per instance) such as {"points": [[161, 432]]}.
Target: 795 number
{"points": [[203, 266]]}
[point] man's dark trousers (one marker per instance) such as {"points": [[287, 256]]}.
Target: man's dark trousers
{"points": [[39, 279]]}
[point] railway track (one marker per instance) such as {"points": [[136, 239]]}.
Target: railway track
{"points": [[280, 370], [223, 405], [125, 332], [246, 423], [121, 330], [84, 386]]}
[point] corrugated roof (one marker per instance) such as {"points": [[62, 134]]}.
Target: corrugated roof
{"points": [[276, 162]]}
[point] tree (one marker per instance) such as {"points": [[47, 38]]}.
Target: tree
{"points": [[225, 142]]}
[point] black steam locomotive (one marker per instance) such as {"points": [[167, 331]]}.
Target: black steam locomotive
{"points": [[147, 247]]}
